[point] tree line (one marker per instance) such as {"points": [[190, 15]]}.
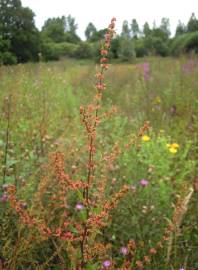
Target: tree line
{"points": [[21, 41]]}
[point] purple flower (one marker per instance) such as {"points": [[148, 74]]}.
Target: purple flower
{"points": [[4, 198], [106, 264], [188, 67], [144, 182], [146, 70], [181, 268], [79, 206], [124, 250]]}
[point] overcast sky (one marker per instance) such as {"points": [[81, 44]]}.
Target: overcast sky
{"points": [[100, 11]]}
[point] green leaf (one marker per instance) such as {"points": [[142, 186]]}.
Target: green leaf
{"points": [[91, 266], [11, 162], [80, 195], [1, 143]]}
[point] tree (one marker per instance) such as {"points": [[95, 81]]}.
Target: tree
{"points": [[17, 26], [6, 57], [160, 33], [98, 35], [83, 51], [165, 26], [135, 28], [146, 29], [192, 25], [60, 29], [115, 47], [181, 29], [55, 28], [90, 31], [126, 32], [71, 25], [127, 52]]}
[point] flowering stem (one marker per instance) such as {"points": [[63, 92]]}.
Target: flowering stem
{"points": [[91, 129], [92, 139]]}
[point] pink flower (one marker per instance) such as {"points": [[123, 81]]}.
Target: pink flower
{"points": [[124, 250], [144, 182], [106, 264], [4, 198], [146, 71], [79, 206]]}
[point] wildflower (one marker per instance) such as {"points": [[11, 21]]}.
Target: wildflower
{"points": [[147, 259], [158, 100], [103, 52], [58, 232], [144, 182], [152, 251], [103, 60], [100, 86], [139, 264], [79, 206], [146, 71], [100, 76], [106, 264], [173, 150], [105, 66], [188, 67], [175, 145], [124, 250], [4, 198], [146, 138], [67, 236]]}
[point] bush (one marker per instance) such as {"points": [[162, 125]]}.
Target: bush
{"points": [[192, 42], [160, 47], [53, 51], [185, 43], [83, 50], [7, 58], [127, 51], [140, 48], [50, 52]]}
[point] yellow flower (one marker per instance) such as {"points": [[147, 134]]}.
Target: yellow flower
{"points": [[146, 138], [158, 100], [173, 150], [175, 145]]}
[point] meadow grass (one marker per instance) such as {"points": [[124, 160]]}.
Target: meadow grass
{"points": [[40, 115]]}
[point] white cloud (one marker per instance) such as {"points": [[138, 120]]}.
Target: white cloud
{"points": [[100, 12]]}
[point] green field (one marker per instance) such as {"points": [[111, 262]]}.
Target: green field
{"points": [[40, 116]]}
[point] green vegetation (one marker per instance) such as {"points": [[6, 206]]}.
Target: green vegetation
{"points": [[21, 41], [40, 115], [97, 172]]}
